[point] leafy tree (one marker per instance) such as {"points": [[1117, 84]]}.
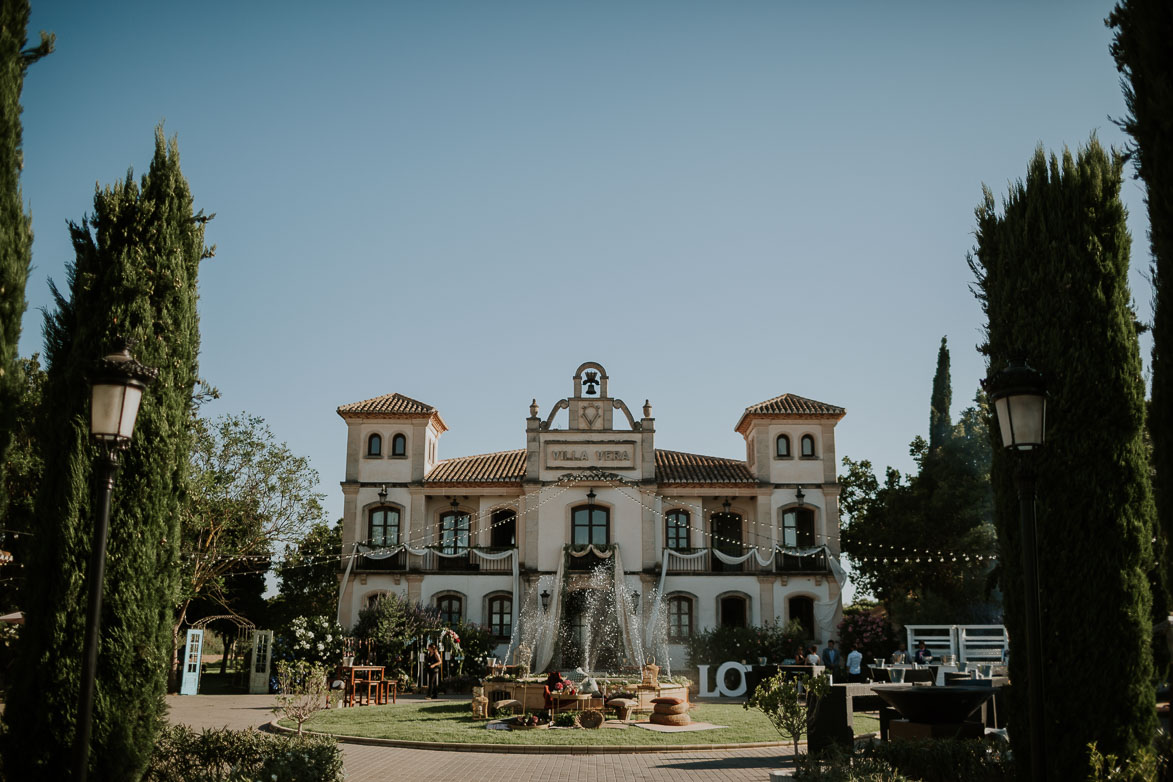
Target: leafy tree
{"points": [[923, 544], [21, 476], [790, 702], [16, 232], [249, 494], [135, 269], [391, 625], [1140, 47], [1052, 278], [307, 576], [303, 689]]}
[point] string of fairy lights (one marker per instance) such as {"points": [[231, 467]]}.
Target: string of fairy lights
{"points": [[662, 508], [665, 507]]}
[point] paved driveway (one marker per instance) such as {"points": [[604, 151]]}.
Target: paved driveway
{"points": [[373, 763]]}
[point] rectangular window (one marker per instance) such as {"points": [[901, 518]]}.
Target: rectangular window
{"points": [[676, 532], [501, 616], [590, 525], [679, 617]]}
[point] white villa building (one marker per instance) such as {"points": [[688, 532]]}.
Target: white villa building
{"points": [[506, 538]]}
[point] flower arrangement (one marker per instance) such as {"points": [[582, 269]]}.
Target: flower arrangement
{"points": [[565, 688]]}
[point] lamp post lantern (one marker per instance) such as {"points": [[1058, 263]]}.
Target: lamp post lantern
{"points": [[1020, 400], [117, 383]]}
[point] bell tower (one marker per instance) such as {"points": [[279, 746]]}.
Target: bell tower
{"points": [[591, 410]]}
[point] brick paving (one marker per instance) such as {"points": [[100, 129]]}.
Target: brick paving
{"points": [[369, 763]]}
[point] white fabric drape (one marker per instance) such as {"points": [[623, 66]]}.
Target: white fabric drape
{"points": [[544, 649]]}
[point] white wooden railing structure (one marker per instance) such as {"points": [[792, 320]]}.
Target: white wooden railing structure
{"points": [[966, 643]]}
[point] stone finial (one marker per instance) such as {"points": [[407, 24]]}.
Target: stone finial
{"points": [[647, 409], [533, 409]]}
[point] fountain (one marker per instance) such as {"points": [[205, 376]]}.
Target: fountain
{"points": [[592, 624]]}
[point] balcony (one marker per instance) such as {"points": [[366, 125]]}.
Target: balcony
{"points": [[786, 562], [431, 562], [711, 564]]}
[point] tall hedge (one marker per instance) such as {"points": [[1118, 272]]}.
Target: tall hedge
{"points": [[134, 275], [1051, 271], [1141, 47], [16, 233]]}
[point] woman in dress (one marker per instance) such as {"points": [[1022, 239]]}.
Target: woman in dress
{"points": [[433, 664]]}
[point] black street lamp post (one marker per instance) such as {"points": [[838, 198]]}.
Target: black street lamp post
{"points": [[117, 383], [1021, 404]]}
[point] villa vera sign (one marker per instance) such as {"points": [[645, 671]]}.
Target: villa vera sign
{"points": [[612, 455]]}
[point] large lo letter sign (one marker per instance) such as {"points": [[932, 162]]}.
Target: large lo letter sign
{"points": [[721, 689]]}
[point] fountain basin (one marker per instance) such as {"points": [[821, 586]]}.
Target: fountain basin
{"points": [[934, 705]]}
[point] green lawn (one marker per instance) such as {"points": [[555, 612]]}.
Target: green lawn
{"points": [[449, 722]]}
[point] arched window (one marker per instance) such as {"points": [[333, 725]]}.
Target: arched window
{"points": [[782, 447], [375, 445], [501, 616], [383, 527], [454, 533], [590, 524], [802, 609], [733, 611], [798, 528], [680, 622], [808, 447], [399, 445], [676, 530], [504, 531], [451, 608]]}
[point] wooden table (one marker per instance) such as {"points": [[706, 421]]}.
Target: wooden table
{"points": [[364, 675]]}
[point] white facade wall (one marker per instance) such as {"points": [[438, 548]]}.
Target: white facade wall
{"points": [[549, 485]]}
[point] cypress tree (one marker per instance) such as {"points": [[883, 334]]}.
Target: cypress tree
{"points": [[1052, 278], [940, 424], [134, 275], [1144, 29], [16, 233]]}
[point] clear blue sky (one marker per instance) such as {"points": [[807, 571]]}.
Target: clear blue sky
{"points": [[462, 201]]}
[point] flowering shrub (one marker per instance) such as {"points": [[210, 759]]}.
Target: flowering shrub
{"points": [[866, 626], [315, 639]]}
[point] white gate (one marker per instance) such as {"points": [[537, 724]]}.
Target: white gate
{"points": [[192, 657], [258, 678]]}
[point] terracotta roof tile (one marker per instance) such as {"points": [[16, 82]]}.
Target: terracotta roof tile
{"points": [[679, 467], [788, 406], [792, 404], [500, 467], [394, 404]]}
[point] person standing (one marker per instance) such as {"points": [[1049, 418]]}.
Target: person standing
{"points": [[434, 664], [831, 656], [854, 665]]}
